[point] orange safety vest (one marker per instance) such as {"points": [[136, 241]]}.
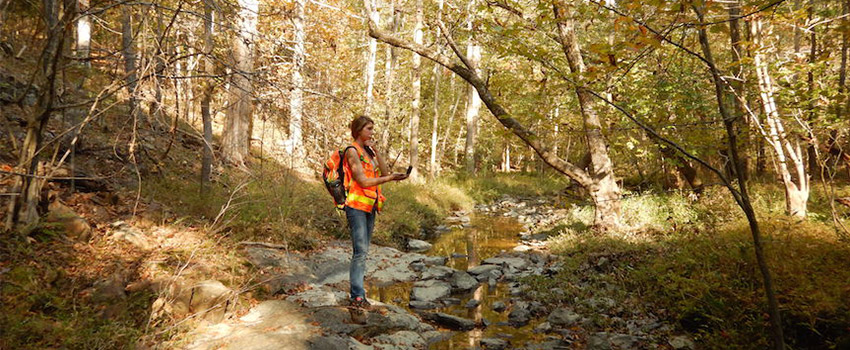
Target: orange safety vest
{"points": [[361, 198]]}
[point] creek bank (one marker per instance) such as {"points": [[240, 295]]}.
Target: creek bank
{"points": [[313, 288]]}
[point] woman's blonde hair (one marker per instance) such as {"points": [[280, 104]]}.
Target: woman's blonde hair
{"points": [[358, 124]]}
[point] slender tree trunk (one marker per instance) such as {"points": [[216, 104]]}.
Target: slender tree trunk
{"points": [[740, 100], [296, 106], [433, 166], [83, 45], [743, 198], [390, 65], [236, 139], [448, 133], [603, 186], [843, 103], [796, 190], [128, 50], [417, 95], [207, 68], [814, 165], [370, 60]]}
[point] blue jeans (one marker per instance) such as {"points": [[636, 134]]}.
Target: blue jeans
{"points": [[361, 224]]}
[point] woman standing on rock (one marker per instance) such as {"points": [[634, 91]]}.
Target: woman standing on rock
{"points": [[365, 166]]}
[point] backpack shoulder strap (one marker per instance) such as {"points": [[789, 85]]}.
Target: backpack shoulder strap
{"points": [[344, 159]]}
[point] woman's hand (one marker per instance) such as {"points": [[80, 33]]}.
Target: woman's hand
{"points": [[398, 176]]}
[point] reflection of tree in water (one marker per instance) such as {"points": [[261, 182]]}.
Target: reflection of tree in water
{"points": [[472, 260]]}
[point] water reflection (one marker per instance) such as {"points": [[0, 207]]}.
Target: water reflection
{"points": [[466, 248]]}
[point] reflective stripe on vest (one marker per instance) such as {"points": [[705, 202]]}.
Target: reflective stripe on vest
{"points": [[360, 198]]}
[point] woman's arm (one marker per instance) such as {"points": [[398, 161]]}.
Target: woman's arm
{"points": [[360, 177]]}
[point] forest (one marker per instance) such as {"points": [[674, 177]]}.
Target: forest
{"points": [[596, 174]]}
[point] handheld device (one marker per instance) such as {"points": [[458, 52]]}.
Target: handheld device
{"points": [[409, 169]]}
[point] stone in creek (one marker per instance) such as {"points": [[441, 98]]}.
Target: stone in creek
{"points": [[450, 321], [451, 301], [510, 262], [544, 327], [463, 281], [437, 272], [472, 303], [499, 306], [563, 317], [520, 314], [494, 344], [483, 269], [522, 248], [422, 305], [458, 256], [435, 260], [400, 340], [418, 245], [430, 290]]}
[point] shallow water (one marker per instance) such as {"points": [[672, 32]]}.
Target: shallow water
{"points": [[466, 248]]}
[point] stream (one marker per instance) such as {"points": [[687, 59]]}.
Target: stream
{"points": [[484, 237]]}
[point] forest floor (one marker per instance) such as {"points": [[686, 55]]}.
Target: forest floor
{"points": [[136, 258]]}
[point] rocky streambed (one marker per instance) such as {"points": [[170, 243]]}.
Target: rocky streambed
{"points": [[462, 291]]}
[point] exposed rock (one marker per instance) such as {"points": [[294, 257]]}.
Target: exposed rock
{"points": [[515, 263], [605, 341], [430, 290], [682, 342], [462, 281], [418, 245], [563, 317], [450, 321], [273, 324], [422, 305], [520, 314], [318, 296], [483, 269], [544, 327], [399, 340], [437, 272], [336, 342], [499, 306], [472, 303], [494, 344], [75, 226], [133, 236], [435, 260]]}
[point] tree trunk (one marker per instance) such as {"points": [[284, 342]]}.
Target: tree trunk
{"points": [[207, 68], [814, 165], [23, 208], [432, 165], [370, 60], [236, 139], [448, 133], [296, 105], [843, 103], [473, 104], [417, 95], [785, 152], [83, 45], [739, 102], [742, 197], [128, 50], [603, 186], [389, 74]]}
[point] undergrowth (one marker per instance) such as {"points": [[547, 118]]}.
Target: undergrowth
{"points": [[693, 263]]}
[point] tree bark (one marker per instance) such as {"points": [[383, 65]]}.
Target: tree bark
{"points": [[236, 139], [389, 74], [22, 211], [473, 104], [416, 109], [432, 165], [603, 188], [796, 187], [743, 198], [739, 102], [370, 60], [128, 50], [209, 87], [296, 104]]}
